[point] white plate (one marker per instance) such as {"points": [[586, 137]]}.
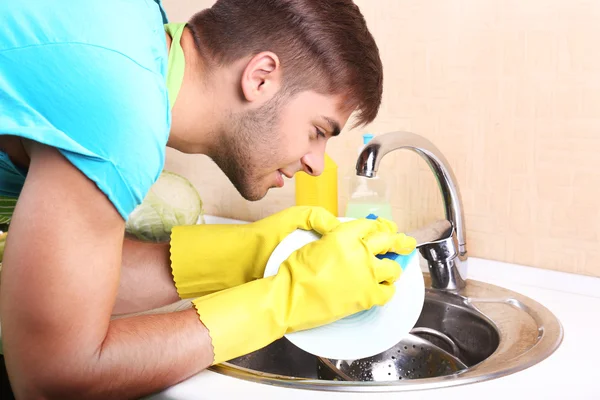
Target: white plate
{"points": [[366, 333]]}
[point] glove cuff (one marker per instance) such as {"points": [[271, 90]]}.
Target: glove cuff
{"points": [[242, 319], [191, 265]]}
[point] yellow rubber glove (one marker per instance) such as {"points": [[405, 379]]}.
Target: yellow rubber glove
{"points": [[212, 257], [326, 280]]}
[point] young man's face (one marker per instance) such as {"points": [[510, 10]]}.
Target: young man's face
{"points": [[284, 136]]}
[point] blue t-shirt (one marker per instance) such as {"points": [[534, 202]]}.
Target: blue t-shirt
{"points": [[88, 78]]}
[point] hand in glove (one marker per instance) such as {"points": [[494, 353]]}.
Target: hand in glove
{"points": [[212, 257], [326, 280]]}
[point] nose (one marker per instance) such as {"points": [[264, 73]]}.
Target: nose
{"points": [[313, 163]]}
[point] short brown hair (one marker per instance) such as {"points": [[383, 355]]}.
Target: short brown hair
{"points": [[318, 42]]}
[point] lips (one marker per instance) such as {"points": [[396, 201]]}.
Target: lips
{"points": [[280, 181], [289, 176]]}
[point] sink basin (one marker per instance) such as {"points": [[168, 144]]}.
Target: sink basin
{"points": [[479, 333]]}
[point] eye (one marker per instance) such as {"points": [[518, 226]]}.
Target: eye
{"points": [[320, 133]]}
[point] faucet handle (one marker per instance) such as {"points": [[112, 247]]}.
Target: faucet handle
{"points": [[446, 267], [429, 233]]}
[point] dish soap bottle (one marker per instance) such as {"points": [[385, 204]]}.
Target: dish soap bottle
{"points": [[368, 195], [319, 190]]}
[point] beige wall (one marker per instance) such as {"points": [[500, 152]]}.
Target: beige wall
{"points": [[509, 91]]}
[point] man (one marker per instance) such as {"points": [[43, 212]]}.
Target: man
{"points": [[91, 94]]}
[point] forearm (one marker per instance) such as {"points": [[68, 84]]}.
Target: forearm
{"points": [[145, 279], [139, 356], [148, 353]]}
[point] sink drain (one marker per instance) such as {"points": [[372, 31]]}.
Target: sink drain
{"points": [[412, 358]]}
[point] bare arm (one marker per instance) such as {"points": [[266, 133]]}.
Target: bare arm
{"points": [[146, 281], [59, 284]]}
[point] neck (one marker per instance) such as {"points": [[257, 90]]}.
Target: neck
{"points": [[195, 120]]}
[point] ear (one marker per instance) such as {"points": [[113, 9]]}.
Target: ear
{"points": [[261, 78]]}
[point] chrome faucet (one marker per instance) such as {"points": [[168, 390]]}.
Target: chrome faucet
{"points": [[446, 257]]}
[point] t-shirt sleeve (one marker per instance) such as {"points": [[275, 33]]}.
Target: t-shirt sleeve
{"points": [[107, 113]]}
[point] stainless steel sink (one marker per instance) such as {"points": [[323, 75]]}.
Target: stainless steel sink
{"points": [[491, 331]]}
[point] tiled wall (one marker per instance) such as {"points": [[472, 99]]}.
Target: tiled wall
{"points": [[509, 91]]}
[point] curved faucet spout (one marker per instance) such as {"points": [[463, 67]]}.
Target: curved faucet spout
{"points": [[368, 164]]}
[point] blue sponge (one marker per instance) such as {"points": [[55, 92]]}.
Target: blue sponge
{"points": [[403, 260]]}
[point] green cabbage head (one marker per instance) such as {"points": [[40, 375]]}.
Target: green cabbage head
{"points": [[171, 201]]}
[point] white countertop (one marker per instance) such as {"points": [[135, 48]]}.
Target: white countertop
{"points": [[572, 372]]}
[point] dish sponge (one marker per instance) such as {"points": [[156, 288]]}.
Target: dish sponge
{"points": [[403, 260]]}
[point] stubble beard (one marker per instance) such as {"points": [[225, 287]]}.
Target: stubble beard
{"points": [[248, 147]]}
